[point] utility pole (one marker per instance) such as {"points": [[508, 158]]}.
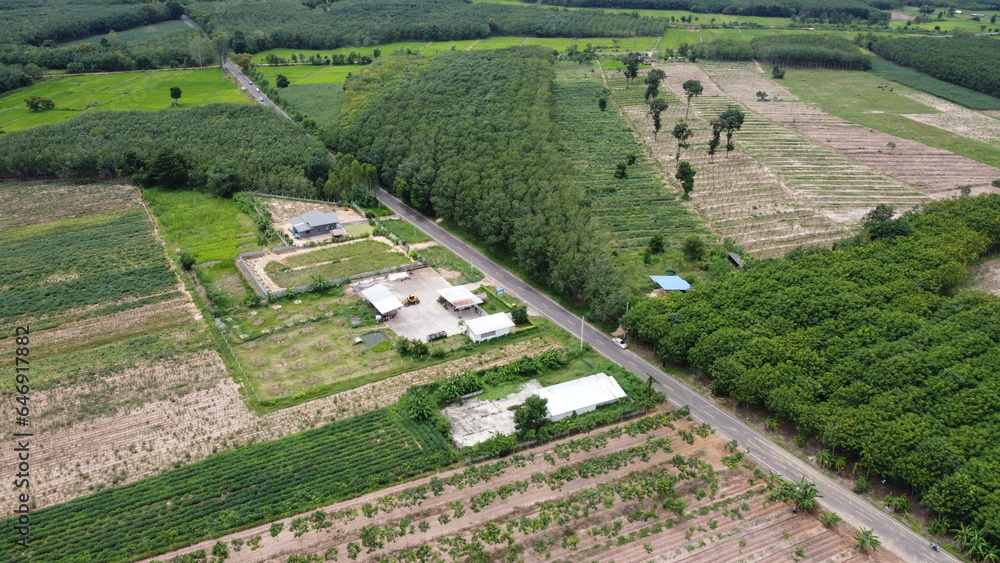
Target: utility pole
{"points": [[582, 321]]}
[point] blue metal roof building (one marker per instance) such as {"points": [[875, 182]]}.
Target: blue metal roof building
{"points": [[671, 283]]}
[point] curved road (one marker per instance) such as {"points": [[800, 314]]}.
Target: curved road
{"points": [[896, 537]]}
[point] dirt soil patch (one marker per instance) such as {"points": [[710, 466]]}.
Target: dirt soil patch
{"points": [[31, 203], [957, 119], [986, 276], [282, 210]]}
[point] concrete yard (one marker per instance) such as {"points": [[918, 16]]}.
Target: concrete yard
{"points": [[475, 421], [427, 317]]}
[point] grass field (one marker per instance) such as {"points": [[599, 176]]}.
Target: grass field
{"points": [[140, 34], [147, 90], [310, 74], [933, 86], [950, 24], [335, 262], [855, 96], [211, 229], [405, 231], [443, 259], [319, 102], [384, 49]]}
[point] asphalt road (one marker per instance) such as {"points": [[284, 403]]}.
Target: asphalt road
{"points": [[895, 536]]}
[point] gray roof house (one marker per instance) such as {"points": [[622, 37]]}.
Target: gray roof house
{"points": [[315, 223]]}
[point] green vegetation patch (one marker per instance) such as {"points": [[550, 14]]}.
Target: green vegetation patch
{"points": [[856, 97], [140, 34], [222, 147], [956, 60], [310, 74], [50, 268], [933, 86], [814, 50], [867, 348], [234, 490], [405, 231], [149, 90], [318, 103], [334, 263]]}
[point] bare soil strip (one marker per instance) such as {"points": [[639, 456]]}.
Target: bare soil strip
{"points": [[31, 203]]}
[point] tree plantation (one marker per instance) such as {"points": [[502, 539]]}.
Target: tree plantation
{"points": [[835, 11], [258, 26], [221, 148], [960, 60], [470, 137], [824, 51], [870, 348]]}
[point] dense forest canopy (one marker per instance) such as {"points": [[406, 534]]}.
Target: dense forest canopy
{"points": [[35, 21], [827, 51], [833, 11], [469, 136], [868, 348], [970, 62], [220, 147], [259, 25]]}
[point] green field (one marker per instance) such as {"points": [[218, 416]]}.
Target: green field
{"points": [[310, 74], [140, 34], [385, 48], [52, 268], [855, 96], [319, 102], [213, 230], [926, 83], [950, 24], [405, 231], [335, 262], [234, 490], [146, 90]]}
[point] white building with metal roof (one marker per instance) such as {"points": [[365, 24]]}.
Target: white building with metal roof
{"points": [[459, 297], [382, 299], [486, 328], [581, 395]]}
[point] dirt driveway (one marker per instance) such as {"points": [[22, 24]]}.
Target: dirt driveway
{"points": [[284, 209]]}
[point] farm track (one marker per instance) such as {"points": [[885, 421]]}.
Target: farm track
{"points": [[926, 171]]}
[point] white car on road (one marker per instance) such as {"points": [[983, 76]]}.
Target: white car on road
{"points": [[620, 343]]}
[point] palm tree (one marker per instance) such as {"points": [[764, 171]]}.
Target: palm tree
{"points": [[806, 495], [865, 539]]}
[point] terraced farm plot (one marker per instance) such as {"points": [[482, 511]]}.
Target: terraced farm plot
{"points": [[846, 112], [146, 90], [631, 209], [331, 263], [627, 493]]}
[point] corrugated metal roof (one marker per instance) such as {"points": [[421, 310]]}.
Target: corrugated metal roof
{"points": [[673, 283], [582, 393], [491, 323], [459, 296], [381, 298], [316, 218]]}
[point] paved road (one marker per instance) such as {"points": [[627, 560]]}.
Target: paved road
{"points": [[241, 78], [895, 536]]}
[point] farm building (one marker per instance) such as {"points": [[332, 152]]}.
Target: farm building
{"points": [[735, 259], [486, 328], [459, 297], [671, 283], [581, 395], [382, 299], [315, 223]]}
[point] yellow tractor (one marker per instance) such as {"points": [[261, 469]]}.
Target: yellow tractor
{"points": [[411, 300]]}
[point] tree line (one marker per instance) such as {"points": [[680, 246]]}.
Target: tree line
{"points": [[832, 11], [221, 148], [819, 50], [872, 348], [965, 61], [34, 22], [469, 136], [256, 26]]}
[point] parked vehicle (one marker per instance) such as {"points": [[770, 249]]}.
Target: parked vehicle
{"points": [[411, 300], [436, 336], [620, 343]]}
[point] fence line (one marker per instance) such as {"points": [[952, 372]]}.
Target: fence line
{"points": [[246, 378]]}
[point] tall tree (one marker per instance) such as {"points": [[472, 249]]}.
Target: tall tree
{"points": [[220, 44], [682, 132], [692, 88], [281, 81], [200, 49], [656, 107], [631, 62], [175, 92], [653, 79], [531, 415], [730, 121], [685, 173], [713, 143], [39, 103]]}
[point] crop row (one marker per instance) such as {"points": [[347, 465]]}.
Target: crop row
{"points": [[234, 490]]}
